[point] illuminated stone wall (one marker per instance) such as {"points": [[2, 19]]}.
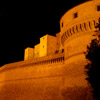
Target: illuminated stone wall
{"points": [[48, 45], [28, 53], [77, 29], [45, 78], [37, 51], [38, 79], [43, 46], [79, 23], [52, 45], [57, 76], [58, 41]]}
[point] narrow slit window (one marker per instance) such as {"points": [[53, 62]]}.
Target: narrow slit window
{"points": [[62, 24], [98, 8], [56, 51], [75, 15], [62, 50]]}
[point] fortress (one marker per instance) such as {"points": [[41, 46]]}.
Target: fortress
{"points": [[54, 68]]}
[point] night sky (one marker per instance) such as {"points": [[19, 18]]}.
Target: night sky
{"points": [[23, 23]]}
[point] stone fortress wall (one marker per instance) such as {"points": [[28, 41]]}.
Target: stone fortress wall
{"points": [[54, 74], [77, 29], [48, 45], [36, 79]]}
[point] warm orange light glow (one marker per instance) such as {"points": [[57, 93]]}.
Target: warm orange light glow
{"points": [[54, 68]]}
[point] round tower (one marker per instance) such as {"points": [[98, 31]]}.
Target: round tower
{"points": [[77, 28], [59, 76]]}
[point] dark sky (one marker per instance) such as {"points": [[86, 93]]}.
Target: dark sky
{"points": [[23, 23]]}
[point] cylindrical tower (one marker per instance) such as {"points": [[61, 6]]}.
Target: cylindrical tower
{"points": [[77, 28], [59, 76]]}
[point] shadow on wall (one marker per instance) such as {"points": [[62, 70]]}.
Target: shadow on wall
{"points": [[76, 93]]}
